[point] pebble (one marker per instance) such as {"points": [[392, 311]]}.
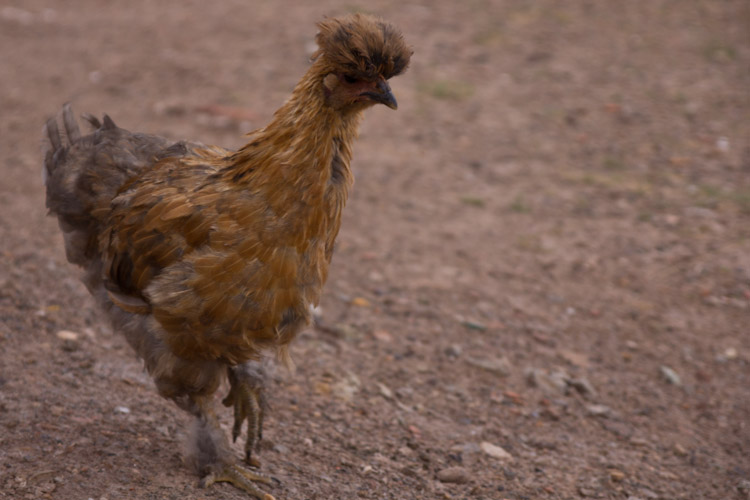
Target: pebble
{"points": [[583, 386], [360, 302], [722, 144], [670, 375], [649, 494], [280, 449], [453, 351], [474, 325], [346, 388], [498, 366], [67, 335], [552, 383], [680, 450], [599, 410], [122, 409], [559, 380], [382, 336], [466, 448], [457, 475], [406, 451], [744, 488], [495, 451], [574, 358], [385, 391], [616, 475]]}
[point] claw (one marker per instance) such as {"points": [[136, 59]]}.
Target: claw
{"points": [[242, 479], [246, 395]]}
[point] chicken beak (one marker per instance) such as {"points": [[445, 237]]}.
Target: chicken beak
{"points": [[385, 95], [381, 94]]}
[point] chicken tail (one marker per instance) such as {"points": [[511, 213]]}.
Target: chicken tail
{"points": [[83, 173], [54, 147]]}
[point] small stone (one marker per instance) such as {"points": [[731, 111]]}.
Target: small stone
{"points": [[346, 332], [453, 351], [457, 475], [498, 366], [280, 449], [537, 378], [649, 494], [598, 410], [670, 375], [722, 145], [385, 391], [730, 353], [406, 451], [639, 441], [474, 325], [122, 409], [322, 388], [495, 451], [382, 336], [360, 302], [346, 388], [67, 335], [744, 488], [574, 358], [616, 475], [559, 380], [583, 386], [680, 450], [466, 448]]}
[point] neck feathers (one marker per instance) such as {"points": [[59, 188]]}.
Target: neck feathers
{"points": [[307, 145]]}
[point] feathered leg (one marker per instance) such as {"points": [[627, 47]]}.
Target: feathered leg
{"points": [[211, 454], [191, 385], [246, 395]]}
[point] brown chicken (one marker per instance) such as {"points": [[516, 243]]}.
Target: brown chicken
{"points": [[204, 258]]}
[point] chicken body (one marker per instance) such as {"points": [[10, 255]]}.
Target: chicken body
{"points": [[205, 257]]}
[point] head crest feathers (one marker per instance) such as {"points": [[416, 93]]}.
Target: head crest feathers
{"points": [[363, 46]]}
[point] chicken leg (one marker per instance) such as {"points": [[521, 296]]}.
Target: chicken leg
{"points": [[246, 395], [213, 457]]}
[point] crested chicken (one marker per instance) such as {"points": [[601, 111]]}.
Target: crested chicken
{"points": [[205, 258]]}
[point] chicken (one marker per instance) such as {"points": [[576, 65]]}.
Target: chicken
{"points": [[206, 258]]}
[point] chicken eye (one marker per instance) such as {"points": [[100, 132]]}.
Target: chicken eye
{"points": [[350, 79]]}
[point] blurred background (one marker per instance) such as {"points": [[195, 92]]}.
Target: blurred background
{"points": [[541, 288]]}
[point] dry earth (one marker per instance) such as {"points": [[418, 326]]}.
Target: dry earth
{"points": [[547, 251]]}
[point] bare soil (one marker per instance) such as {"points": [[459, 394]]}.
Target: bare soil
{"points": [[547, 250]]}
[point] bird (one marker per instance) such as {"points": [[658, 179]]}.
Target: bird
{"points": [[207, 259]]}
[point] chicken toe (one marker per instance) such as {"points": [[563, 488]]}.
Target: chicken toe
{"points": [[241, 478], [246, 395]]}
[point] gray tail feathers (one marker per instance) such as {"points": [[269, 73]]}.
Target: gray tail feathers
{"points": [[55, 146], [70, 171]]}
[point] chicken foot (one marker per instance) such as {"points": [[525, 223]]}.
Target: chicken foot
{"points": [[212, 455], [246, 395], [240, 478]]}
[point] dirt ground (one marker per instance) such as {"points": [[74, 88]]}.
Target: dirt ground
{"points": [[541, 288]]}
